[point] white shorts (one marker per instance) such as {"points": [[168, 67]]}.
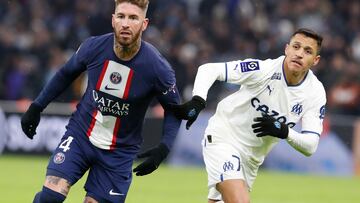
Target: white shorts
{"points": [[224, 161]]}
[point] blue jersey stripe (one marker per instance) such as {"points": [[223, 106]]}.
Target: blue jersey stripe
{"points": [[306, 131], [226, 72]]}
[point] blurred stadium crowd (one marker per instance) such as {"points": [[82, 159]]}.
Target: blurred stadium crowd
{"points": [[38, 36]]}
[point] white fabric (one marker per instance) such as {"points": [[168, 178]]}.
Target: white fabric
{"points": [[306, 143], [225, 161], [263, 89]]}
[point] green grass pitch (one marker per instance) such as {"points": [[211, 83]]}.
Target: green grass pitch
{"points": [[22, 176]]}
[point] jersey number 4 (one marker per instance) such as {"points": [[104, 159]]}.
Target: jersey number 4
{"points": [[65, 145]]}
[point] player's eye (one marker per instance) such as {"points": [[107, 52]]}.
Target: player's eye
{"points": [[133, 17], [120, 16], [295, 46]]}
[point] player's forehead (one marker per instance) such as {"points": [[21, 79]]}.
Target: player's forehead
{"points": [[127, 8], [304, 41]]}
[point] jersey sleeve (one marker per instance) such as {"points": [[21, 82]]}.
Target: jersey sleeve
{"points": [[167, 93], [312, 120], [241, 72], [248, 71], [65, 76]]}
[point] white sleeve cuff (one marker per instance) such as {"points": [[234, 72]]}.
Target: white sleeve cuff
{"points": [[306, 143]]}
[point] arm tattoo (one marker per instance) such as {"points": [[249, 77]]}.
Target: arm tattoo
{"points": [[62, 185], [53, 180]]}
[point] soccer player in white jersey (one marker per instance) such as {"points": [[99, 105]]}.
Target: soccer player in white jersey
{"points": [[275, 94]]}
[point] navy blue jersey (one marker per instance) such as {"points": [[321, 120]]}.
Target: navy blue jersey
{"points": [[112, 110]]}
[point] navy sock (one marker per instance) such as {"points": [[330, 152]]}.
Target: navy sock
{"points": [[37, 198], [48, 196]]}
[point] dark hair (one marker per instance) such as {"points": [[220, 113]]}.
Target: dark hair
{"points": [[143, 4], [311, 34]]}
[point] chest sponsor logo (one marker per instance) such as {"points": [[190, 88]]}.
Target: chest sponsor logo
{"points": [[249, 66], [109, 106], [258, 106]]}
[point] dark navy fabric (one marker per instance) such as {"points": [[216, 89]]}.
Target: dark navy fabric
{"points": [[148, 76], [109, 170], [153, 77]]}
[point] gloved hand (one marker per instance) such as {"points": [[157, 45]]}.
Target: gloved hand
{"points": [[155, 156], [190, 110], [30, 120], [268, 125]]}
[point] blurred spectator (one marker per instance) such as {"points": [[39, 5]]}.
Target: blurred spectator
{"points": [[36, 35]]}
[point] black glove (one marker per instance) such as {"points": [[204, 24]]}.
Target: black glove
{"points": [[268, 125], [30, 120], [190, 110], [155, 156]]}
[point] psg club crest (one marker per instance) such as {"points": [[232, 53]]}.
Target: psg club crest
{"points": [[115, 77], [59, 158]]}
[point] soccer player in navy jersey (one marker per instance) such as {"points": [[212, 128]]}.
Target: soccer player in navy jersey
{"points": [[104, 133]]}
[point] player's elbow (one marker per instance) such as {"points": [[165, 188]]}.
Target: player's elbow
{"points": [[204, 67], [309, 151]]}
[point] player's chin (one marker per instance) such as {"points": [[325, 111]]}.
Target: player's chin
{"points": [[125, 41], [295, 66]]}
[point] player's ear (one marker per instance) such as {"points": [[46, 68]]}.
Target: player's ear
{"points": [[316, 60], [286, 49], [112, 21], [145, 24]]}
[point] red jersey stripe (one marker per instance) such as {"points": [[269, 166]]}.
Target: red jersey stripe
{"points": [[115, 132], [103, 71], [128, 84], [92, 123]]}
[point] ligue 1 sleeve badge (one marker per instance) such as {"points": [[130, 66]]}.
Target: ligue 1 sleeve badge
{"points": [[59, 158]]}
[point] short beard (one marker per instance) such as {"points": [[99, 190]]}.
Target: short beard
{"points": [[127, 50]]}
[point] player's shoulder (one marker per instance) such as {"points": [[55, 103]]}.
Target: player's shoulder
{"points": [[315, 83], [153, 56], [94, 43], [100, 39], [273, 63], [150, 51], [256, 65], [314, 89]]}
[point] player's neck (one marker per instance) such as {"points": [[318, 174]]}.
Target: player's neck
{"points": [[294, 77], [126, 53]]}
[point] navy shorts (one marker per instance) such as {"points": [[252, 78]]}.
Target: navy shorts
{"points": [[110, 172]]}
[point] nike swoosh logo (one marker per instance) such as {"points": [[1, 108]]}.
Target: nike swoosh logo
{"points": [[110, 88], [111, 192]]}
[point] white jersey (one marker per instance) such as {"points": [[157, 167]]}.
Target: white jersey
{"points": [[263, 89]]}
